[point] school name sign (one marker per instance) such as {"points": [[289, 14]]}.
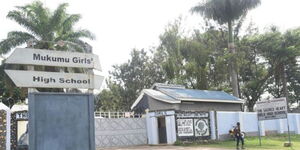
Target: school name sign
{"points": [[271, 109], [54, 79], [53, 58], [41, 79]]}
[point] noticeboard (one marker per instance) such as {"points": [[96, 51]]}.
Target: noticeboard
{"points": [[272, 109], [192, 125], [185, 127]]}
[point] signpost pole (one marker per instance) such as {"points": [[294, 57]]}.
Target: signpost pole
{"points": [[31, 68]]}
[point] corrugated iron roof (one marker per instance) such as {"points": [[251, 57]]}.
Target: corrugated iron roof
{"points": [[159, 95], [197, 94]]}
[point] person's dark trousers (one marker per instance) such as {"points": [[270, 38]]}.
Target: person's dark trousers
{"points": [[238, 139]]}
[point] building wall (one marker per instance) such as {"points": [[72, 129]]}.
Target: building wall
{"points": [[249, 124], [205, 106], [159, 105], [111, 132]]}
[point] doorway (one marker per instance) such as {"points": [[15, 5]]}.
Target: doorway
{"points": [[162, 133]]}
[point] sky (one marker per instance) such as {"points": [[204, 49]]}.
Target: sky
{"points": [[121, 25]]}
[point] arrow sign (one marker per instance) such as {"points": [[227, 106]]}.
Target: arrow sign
{"points": [[54, 79], [53, 58]]}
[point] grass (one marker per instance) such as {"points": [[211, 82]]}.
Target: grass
{"points": [[274, 142]]}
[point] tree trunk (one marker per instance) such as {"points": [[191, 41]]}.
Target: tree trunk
{"points": [[250, 107], [232, 63], [284, 86]]}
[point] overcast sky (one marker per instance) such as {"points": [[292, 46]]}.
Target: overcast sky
{"points": [[120, 25]]}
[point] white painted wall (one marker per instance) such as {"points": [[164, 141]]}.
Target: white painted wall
{"points": [[225, 121], [249, 123]]}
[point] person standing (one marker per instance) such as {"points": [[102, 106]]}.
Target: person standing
{"points": [[238, 135]]}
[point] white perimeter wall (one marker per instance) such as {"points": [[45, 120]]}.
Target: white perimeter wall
{"points": [[249, 124], [222, 122]]}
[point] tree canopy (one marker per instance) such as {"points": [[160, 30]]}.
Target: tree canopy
{"points": [[201, 61]]}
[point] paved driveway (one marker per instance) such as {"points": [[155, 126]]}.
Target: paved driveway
{"points": [[162, 147]]}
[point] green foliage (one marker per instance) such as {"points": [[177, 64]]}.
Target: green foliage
{"points": [[202, 60], [198, 61], [281, 51], [265, 62], [9, 94], [253, 72], [228, 11], [128, 80], [224, 10], [109, 99]]}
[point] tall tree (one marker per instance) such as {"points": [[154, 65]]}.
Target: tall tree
{"points": [[254, 73], [227, 11], [181, 61], [281, 52], [197, 61]]}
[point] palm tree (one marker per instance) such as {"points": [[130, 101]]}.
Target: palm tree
{"points": [[227, 11], [45, 29]]}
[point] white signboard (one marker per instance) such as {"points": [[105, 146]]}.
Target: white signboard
{"points": [[185, 127], [192, 115], [53, 58], [271, 109], [54, 79]]}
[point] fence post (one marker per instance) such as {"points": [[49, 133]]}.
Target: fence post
{"points": [[280, 126], [212, 125], [297, 123], [170, 129], [152, 129], [262, 128], [241, 120]]}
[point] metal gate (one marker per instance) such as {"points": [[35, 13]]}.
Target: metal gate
{"points": [[61, 121]]}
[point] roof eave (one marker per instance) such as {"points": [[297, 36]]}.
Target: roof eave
{"points": [[161, 99], [149, 94], [138, 99], [213, 100]]}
